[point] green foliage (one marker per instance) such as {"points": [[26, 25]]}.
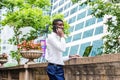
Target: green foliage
{"points": [[16, 55], [87, 51], [100, 8], [27, 13], [11, 4]]}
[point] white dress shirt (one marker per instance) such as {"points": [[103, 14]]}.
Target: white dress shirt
{"points": [[55, 48]]}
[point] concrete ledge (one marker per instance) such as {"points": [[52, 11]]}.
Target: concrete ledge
{"points": [[97, 59], [104, 67], [83, 60]]}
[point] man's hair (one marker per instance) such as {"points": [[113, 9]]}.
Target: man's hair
{"points": [[56, 20], [54, 24]]}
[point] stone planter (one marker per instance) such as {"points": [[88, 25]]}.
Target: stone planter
{"points": [[31, 55], [3, 59]]}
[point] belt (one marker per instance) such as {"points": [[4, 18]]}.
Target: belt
{"points": [[55, 64]]}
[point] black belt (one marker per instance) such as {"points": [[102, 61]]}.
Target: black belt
{"points": [[55, 64]]}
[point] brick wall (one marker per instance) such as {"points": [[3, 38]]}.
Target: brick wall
{"points": [[105, 67]]}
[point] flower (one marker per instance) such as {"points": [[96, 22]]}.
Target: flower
{"points": [[29, 45]]}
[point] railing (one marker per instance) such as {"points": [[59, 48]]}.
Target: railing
{"points": [[105, 67]]}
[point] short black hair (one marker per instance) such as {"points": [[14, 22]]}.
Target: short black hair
{"points": [[56, 20], [54, 24]]}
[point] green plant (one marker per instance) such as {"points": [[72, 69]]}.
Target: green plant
{"points": [[16, 55], [87, 51], [27, 13]]}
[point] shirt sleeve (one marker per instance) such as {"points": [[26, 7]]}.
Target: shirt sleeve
{"points": [[66, 58], [56, 43]]}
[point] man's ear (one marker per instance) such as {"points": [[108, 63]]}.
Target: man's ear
{"points": [[54, 28]]}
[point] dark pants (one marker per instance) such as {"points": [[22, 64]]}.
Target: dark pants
{"points": [[55, 72]]}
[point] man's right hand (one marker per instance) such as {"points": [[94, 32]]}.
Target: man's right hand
{"points": [[60, 32]]}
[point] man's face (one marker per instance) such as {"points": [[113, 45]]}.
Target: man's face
{"points": [[60, 25]]}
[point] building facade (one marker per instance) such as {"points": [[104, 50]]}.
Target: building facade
{"points": [[85, 29]]}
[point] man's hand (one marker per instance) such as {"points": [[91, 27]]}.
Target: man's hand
{"points": [[74, 56], [60, 32]]}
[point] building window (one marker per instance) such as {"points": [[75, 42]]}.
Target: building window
{"points": [[71, 20], [74, 49], [68, 39], [67, 6], [96, 47], [90, 21], [66, 52], [79, 26], [71, 29], [77, 37], [4, 47], [81, 15], [66, 14], [61, 2], [89, 12], [83, 47], [54, 7], [73, 10], [82, 7], [88, 33], [99, 19], [60, 10], [99, 30], [55, 1]]}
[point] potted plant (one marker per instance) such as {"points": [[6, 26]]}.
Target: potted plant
{"points": [[30, 50], [3, 58], [27, 13]]}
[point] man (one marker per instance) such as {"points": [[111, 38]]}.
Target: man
{"points": [[56, 45]]}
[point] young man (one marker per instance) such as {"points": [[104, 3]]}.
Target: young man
{"points": [[56, 45]]}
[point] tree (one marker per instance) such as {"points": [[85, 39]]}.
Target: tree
{"points": [[27, 13], [101, 8]]}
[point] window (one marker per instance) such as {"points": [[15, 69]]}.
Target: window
{"points": [[81, 15], [4, 47], [74, 49], [83, 47], [73, 10], [90, 21], [67, 6], [52, 1], [96, 47], [60, 10], [88, 33], [77, 37], [99, 30], [99, 19], [82, 7], [66, 52], [89, 12], [71, 29], [68, 39], [71, 20], [79, 26], [66, 14], [55, 1], [54, 7], [61, 2]]}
